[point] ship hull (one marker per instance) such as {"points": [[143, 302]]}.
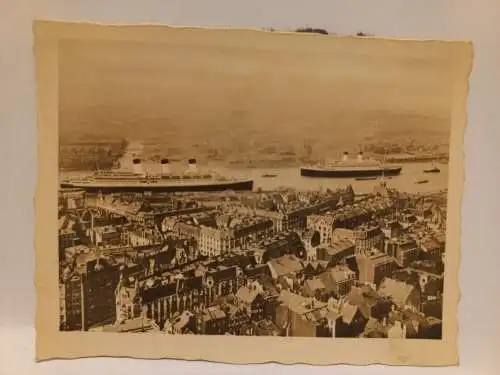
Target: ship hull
{"points": [[349, 173], [161, 188]]}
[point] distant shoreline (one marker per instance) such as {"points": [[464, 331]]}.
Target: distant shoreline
{"points": [[93, 154], [277, 165]]}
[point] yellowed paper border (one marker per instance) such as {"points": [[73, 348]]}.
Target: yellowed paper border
{"points": [[51, 343]]}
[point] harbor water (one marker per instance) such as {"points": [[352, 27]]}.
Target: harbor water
{"points": [[407, 181]]}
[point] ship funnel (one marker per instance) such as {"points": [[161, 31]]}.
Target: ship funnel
{"points": [[165, 166], [360, 156], [345, 157], [137, 166], [192, 166]]}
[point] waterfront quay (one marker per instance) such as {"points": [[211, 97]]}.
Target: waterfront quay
{"points": [[281, 262]]}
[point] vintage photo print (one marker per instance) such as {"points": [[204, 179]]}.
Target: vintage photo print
{"points": [[246, 196]]}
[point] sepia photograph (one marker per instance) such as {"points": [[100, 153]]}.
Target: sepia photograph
{"points": [[286, 187]]}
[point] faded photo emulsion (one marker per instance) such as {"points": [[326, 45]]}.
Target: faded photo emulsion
{"points": [[248, 196]]}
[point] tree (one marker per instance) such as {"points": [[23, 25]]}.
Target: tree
{"points": [[361, 33], [311, 30]]}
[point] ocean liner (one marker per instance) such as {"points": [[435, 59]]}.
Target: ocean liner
{"points": [[346, 168], [134, 178]]}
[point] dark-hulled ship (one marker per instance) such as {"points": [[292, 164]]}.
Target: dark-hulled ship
{"points": [[434, 169], [135, 179], [345, 168]]}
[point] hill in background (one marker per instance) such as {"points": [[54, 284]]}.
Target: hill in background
{"points": [[228, 95]]}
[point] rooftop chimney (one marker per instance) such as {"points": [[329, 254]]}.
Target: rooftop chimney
{"points": [[360, 156], [164, 166], [345, 157], [192, 166], [137, 166]]}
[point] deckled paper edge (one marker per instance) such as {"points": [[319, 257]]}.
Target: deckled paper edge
{"points": [[53, 344]]}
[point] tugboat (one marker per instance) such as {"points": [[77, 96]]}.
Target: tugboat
{"points": [[346, 168], [422, 182], [269, 175], [434, 169]]}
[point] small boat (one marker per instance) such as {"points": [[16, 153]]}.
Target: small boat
{"points": [[269, 175], [422, 182], [432, 170]]}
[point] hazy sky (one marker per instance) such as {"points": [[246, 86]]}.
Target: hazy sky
{"points": [[211, 84]]}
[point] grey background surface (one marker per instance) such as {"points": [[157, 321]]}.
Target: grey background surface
{"points": [[430, 19]]}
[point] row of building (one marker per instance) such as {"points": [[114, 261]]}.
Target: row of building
{"points": [[312, 264]]}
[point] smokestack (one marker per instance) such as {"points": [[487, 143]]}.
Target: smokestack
{"points": [[192, 166], [360, 156], [165, 166], [137, 166], [345, 157]]}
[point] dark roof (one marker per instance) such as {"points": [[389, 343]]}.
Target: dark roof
{"points": [[222, 274], [241, 260], [433, 309], [170, 289], [433, 286], [166, 257], [156, 292], [194, 283]]}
